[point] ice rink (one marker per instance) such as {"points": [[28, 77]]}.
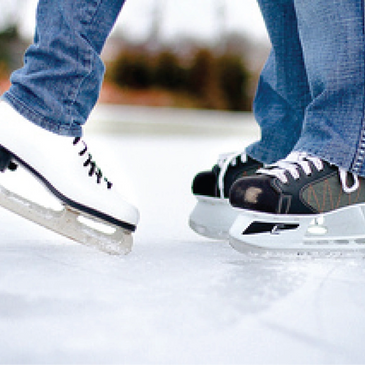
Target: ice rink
{"points": [[178, 298]]}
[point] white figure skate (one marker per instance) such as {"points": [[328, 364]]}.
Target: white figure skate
{"points": [[92, 211], [300, 204], [212, 215]]}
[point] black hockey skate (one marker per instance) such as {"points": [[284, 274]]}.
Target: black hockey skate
{"points": [[301, 204], [212, 215]]}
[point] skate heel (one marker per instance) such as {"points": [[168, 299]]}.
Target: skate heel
{"points": [[6, 160]]}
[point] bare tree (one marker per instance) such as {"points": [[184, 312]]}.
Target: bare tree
{"points": [[154, 38], [221, 10]]}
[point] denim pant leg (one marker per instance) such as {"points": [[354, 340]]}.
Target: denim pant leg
{"points": [[283, 92], [332, 36], [62, 74]]}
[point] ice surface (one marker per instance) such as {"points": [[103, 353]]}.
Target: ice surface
{"points": [[178, 298]]}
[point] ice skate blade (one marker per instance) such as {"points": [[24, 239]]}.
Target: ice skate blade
{"points": [[212, 217], [340, 232], [68, 222]]}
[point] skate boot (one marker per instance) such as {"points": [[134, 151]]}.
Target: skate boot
{"points": [[212, 215], [92, 212], [300, 204]]}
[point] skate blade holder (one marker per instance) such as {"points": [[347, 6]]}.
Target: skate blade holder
{"points": [[212, 217], [339, 231], [71, 223], [64, 220]]}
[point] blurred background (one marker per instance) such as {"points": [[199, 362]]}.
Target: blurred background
{"points": [[204, 54]]}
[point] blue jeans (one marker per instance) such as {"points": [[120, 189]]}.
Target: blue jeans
{"points": [[62, 74], [311, 92], [310, 95]]}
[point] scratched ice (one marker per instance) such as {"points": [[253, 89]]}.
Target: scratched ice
{"points": [[177, 298]]}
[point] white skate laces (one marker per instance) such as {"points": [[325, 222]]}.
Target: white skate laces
{"points": [[94, 169], [301, 160], [224, 161]]}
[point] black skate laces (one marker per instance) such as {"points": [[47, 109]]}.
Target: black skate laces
{"points": [[89, 162], [305, 162]]}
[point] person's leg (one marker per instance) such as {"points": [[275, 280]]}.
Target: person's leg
{"points": [[333, 41], [62, 74], [314, 199], [41, 119], [281, 98], [283, 92]]}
